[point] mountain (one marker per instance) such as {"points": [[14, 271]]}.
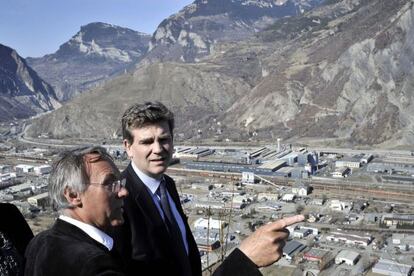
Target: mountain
{"points": [[192, 91], [22, 92], [192, 33], [341, 72], [98, 52]]}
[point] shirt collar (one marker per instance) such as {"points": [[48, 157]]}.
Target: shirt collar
{"points": [[151, 183], [93, 232]]}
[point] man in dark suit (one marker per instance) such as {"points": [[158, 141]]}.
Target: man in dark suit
{"points": [[86, 186], [156, 238]]}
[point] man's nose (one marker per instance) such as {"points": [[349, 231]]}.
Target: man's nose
{"points": [[157, 147]]}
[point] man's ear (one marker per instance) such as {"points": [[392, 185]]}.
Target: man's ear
{"points": [[127, 146], [73, 197]]}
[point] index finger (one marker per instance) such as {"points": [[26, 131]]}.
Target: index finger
{"points": [[284, 222]]}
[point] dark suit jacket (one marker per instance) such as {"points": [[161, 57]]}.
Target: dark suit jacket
{"points": [[15, 226], [237, 264], [67, 250], [17, 231], [143, 240]]}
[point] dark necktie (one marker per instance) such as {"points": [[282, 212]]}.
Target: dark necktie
{"points": [[174, 230]]}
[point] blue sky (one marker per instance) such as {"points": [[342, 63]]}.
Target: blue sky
{"points": [[38, 27]]}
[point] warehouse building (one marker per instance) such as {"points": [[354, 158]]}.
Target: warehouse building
{"points": [[40, 200], [388, 267], [398, 220], [316, 255], [213, 224], [341, 172], [44, 169], [292, 248], [390, 167], [23, 169], [348, 257], [403, 241], [348, 238]]}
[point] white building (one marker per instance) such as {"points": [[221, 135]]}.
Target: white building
{"points": [[40, 200], [288, 197], [337, 205], [342, 172], [242, 199], [5, 177], [267, 196], [403, 241], [348, 238], [388, 267], [348, 257], [301, 233], [366, 158], [211, 223], [44, 169], [350, 163], [22, 169], [300, 189], [22, 188], [247, 177]]}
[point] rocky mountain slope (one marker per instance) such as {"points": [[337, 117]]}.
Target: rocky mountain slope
{"points": [[22, 92], [192, 33], [192, 91], [343, 70], [98, 52]]}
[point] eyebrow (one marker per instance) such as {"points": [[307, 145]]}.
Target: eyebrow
{"points": [[150, 139]]}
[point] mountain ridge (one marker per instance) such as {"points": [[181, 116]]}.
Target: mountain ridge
{"points": [[342, 70], [22, 92], [95, 54]]}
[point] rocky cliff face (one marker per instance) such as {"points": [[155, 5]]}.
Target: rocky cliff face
{"points": [[343, 70], [193, 33], [347, 76], [98, 52], [22, 92]]}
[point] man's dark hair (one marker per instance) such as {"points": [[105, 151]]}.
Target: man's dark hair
{"points": [[140, 115]]}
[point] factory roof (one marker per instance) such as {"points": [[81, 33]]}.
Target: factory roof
{"points": [[40, 196], [272, 164], [391, 267], [286, 170], [292, 247], [348, 254], [316, 253]]}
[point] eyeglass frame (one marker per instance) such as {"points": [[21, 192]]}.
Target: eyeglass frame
{"points": [[116, 185]]}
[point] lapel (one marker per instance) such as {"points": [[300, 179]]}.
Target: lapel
{"points": [[143, 199]]}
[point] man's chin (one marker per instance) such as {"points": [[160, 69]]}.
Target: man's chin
{"points": [[158, 170]]}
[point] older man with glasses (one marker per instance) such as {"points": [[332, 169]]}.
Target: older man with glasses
{"points": [[86, 187]]}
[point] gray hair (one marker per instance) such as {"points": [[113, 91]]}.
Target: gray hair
{"points": [[140, 115], [70, 170]]}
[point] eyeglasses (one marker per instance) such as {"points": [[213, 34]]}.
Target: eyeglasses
{"points": [[114, 187]]}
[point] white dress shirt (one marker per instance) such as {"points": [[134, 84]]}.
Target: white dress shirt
{"points": [[93, 232], [152, 185]]}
